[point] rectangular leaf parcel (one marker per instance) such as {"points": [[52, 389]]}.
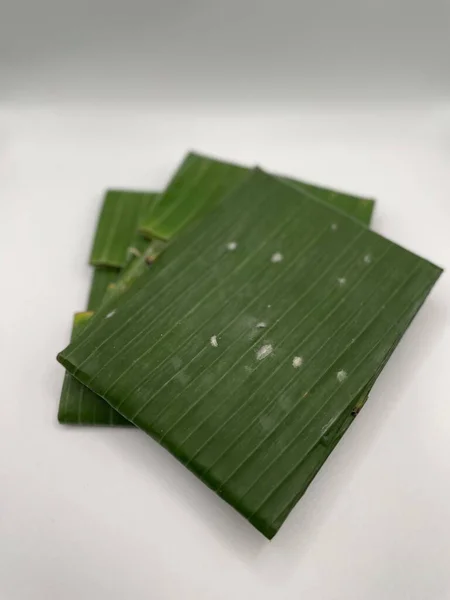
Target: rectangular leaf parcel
{"points": [[246, 348]]}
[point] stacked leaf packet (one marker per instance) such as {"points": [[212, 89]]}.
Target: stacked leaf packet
{"points": [[247, 334]]}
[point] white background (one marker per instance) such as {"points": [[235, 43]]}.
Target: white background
{"points": [[107, 514]]}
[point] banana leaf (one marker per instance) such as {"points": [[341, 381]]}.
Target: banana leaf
{"points": [[116, 243], [117, 239], [77, 403], [134, 270], [249, 346], [76, 398], [102, 279], [199, 182]]}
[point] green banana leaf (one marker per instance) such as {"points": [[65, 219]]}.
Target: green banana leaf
{"points": [[249, 346], [77, 403], [199, 182], [134, 270], [116, 243], [116, 239], [102, 279], [76, 398]]}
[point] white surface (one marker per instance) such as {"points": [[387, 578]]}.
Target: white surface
{"points": [[107, 514]]}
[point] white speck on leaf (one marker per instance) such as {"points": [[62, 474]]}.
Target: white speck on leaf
{"points": [[328, 425], [261, 325], [110, 314], [214, 342], [297, 362], [341, 375], [269, 306], [342, 281], [231, 246], [334, 227], [134, 251], [367, 259], [277, 257], [264, 351]]}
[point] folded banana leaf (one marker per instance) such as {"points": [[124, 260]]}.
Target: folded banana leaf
{"points": [[134, 270], [252, 342], [199, 184], [116, 243], [117, 239], [102, 279], [196, 188], [76, 398]]}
